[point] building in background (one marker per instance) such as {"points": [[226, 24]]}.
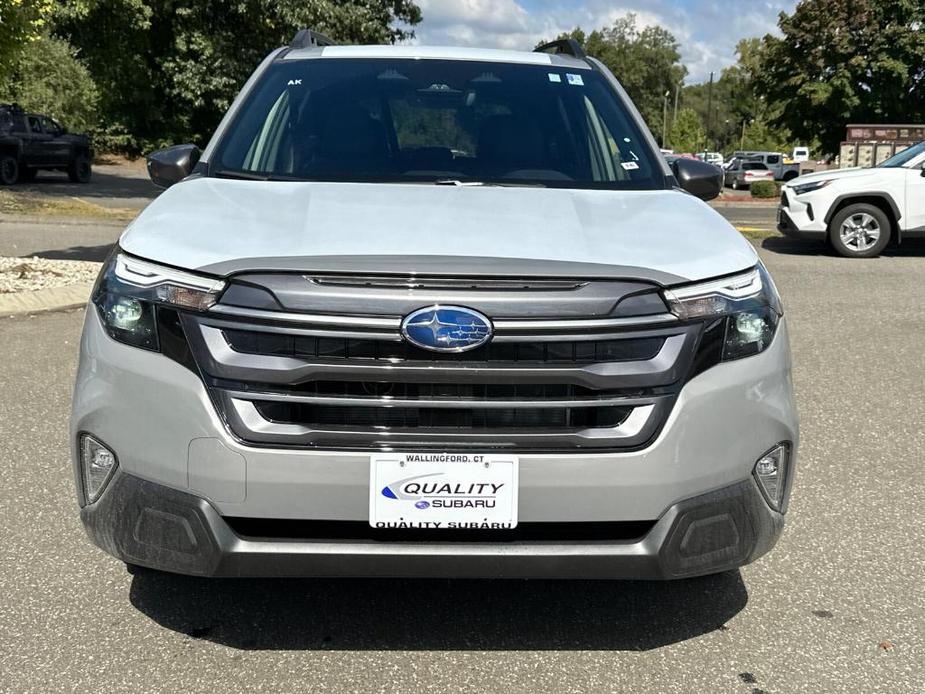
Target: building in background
{"points": [[870, 145]]}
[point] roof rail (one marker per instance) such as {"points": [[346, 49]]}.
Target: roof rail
{"points": [[564, 47], [306, 38]]}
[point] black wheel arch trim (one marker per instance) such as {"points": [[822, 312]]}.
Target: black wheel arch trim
{"points": [[886, 197]]}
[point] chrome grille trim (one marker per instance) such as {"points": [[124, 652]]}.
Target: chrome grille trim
{"points": [[519, 326], [582, 326], [308, 318], [244, 414], [441, 283], [436, 402]]}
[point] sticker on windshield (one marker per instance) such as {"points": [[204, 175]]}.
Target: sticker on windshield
{"points": [[574, 79], [629, 166], [553, 77]]}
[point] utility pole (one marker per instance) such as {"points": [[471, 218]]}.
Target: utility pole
{"points": [[709, 110], [665, 119], [676, 90]]}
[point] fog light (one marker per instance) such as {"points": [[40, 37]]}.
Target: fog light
{"points": [[97, 465], [124, 312], [771, 474]]}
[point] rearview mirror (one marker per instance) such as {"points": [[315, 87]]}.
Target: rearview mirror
{"points": [[173, 164], [698, 178]]}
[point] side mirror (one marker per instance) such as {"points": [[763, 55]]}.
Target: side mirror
{"points": [[698, 178], [173, 164]]}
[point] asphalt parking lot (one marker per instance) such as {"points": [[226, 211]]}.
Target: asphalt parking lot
{"points": [[838, 606]]}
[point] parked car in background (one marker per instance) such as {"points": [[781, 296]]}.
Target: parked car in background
{"points": [[741, 173], [30, 142], [858, 211], [800, 154], [781, 166], [715, 158]]}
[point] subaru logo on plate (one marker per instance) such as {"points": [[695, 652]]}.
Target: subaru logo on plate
{"points": [[446, 328]]}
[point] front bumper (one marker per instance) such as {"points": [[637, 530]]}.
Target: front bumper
{"points": [[802, 217], [178, 460], [151, 525]]}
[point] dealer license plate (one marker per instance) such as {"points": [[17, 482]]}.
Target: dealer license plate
{"points": [[443, 491]]}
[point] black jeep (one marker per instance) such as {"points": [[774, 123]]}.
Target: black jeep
{"points": [[29, 142]]}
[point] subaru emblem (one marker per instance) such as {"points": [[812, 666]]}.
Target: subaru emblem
{"points": [[446, 328]]}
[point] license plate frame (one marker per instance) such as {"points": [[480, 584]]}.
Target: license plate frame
{"points": [[443, 491]]}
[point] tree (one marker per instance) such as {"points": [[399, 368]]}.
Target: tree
{"points": [[21, 21], [686, 133], [48, 78], [840, 61], [167, 71], [738, 102], [758, 134], [646, 61]]}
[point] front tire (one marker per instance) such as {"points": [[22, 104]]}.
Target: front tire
{"points": [[9, 170], [860, 231], [79, 170]]}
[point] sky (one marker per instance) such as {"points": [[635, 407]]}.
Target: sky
{"points": [[707, 30]]}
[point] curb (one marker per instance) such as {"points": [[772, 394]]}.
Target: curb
{"points": [[44, 300], [60, 220], [743, 203]]}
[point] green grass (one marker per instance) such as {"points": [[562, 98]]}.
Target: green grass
{"points": [[30, 204], [756, 234]]}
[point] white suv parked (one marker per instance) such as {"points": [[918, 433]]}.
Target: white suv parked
{"points": [[858, 211]]}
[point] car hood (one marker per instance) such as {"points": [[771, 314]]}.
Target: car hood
{"points": [[223, 226], [832, 175]]}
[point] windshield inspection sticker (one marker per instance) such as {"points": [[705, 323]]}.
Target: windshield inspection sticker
{"points": [[553, 77], [629, 166], [574, 79]]}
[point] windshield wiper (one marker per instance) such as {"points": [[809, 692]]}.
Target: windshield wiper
{"points": [[486, 184], [253, 176], [240, 175]]}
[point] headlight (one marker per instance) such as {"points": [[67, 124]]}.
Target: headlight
{"points": [[129, 291], [809, 187], [747, 304]]}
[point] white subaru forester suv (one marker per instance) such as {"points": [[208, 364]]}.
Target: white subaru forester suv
{"points": [[858, 211], [433, 312]]}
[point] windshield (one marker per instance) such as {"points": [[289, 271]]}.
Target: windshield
{"points": [[902, 158], [333, 119]]}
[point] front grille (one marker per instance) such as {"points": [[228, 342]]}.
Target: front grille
{"points": [[329, 380], [473, 417], [784, 201], [586, 352]]}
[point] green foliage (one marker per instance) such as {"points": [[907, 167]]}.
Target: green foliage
{"points": [[21, 22], [48, 78], [765, 189], [842, 61], [761, 136], [646, 61], [686, 133], [740, 116], [168, 71]]}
